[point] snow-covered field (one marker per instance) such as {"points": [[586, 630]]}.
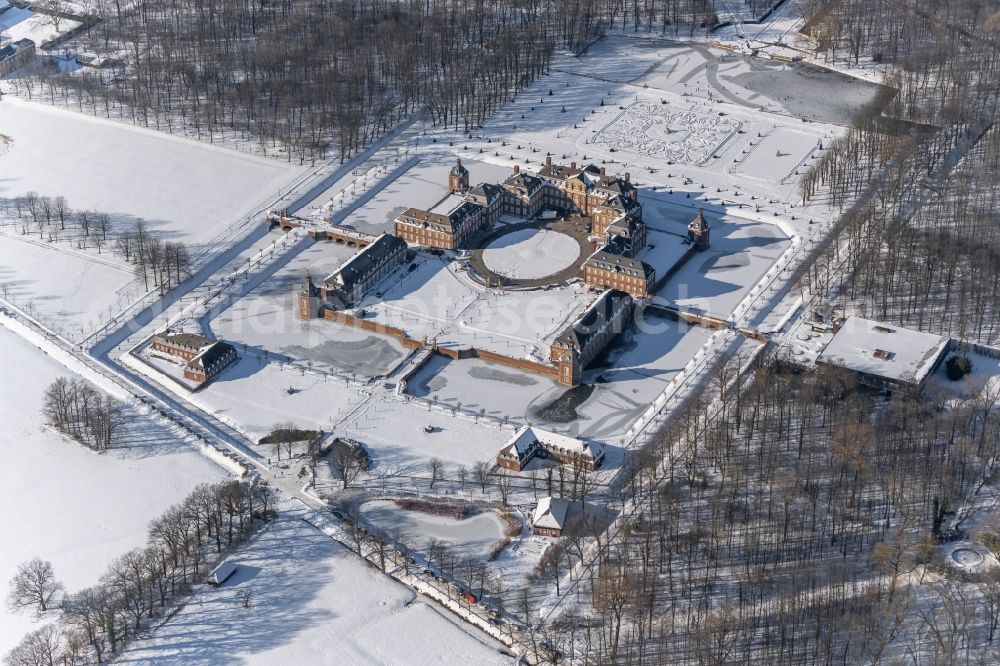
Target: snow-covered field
{"points": [[189, 191], [474, 537], [253, 396], [61, 502], [314, 602], [65, 289], [393, 432]]}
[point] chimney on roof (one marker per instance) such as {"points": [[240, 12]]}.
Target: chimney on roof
{"points": [[517, 169], [602, 171], [548, 160], [572, 165]]}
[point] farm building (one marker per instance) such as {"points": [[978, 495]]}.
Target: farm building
{"points": [[221, 573]]}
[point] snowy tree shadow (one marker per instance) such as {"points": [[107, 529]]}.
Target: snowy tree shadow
{"points": [[285, 567]]}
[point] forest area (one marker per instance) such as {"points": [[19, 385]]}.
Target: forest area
{"points": [[792, 516], [310, 80]]}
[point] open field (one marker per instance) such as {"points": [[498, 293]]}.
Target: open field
{"points": [[186, 191], [253, 395], [313, 602], [393, 432], [61, 502], [67, 290]]}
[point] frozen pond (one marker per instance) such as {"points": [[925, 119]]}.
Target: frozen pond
{"points": [[266, 320], [618, 385], [531, 253], [716, 280], [473, 537]]}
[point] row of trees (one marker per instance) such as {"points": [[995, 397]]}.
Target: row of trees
{"points": [[97, 621], [79, 410], [163, 264]]}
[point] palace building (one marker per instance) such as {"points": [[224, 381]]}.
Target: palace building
{"points": [[610, 204], [584, 339]]}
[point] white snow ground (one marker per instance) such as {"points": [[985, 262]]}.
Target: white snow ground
{"points": [[189, 191], [393, 432], [19, 23], [531, 253], [63, 503], [253, 397], [67, 290], [314, 602]]}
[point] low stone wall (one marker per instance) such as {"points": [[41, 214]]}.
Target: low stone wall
{"points": [[533, 367]]}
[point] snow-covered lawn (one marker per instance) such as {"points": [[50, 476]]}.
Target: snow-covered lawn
{"points": [[189, 191], [422, 301], [531, 253], [314, 602], [393, 432], [66, 290], [777, 154], [716, 280], [474, 537], [520, 324], [253, 396], [983, 382], [61, 502]]}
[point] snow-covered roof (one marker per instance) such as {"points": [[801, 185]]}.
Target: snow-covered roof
{"points": [[368, 259], [221, 573], [898, 354], [527, 436], [550, 513], [447, 204]]}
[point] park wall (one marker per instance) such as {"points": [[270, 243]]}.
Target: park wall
{"points": [[455, 353]]}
